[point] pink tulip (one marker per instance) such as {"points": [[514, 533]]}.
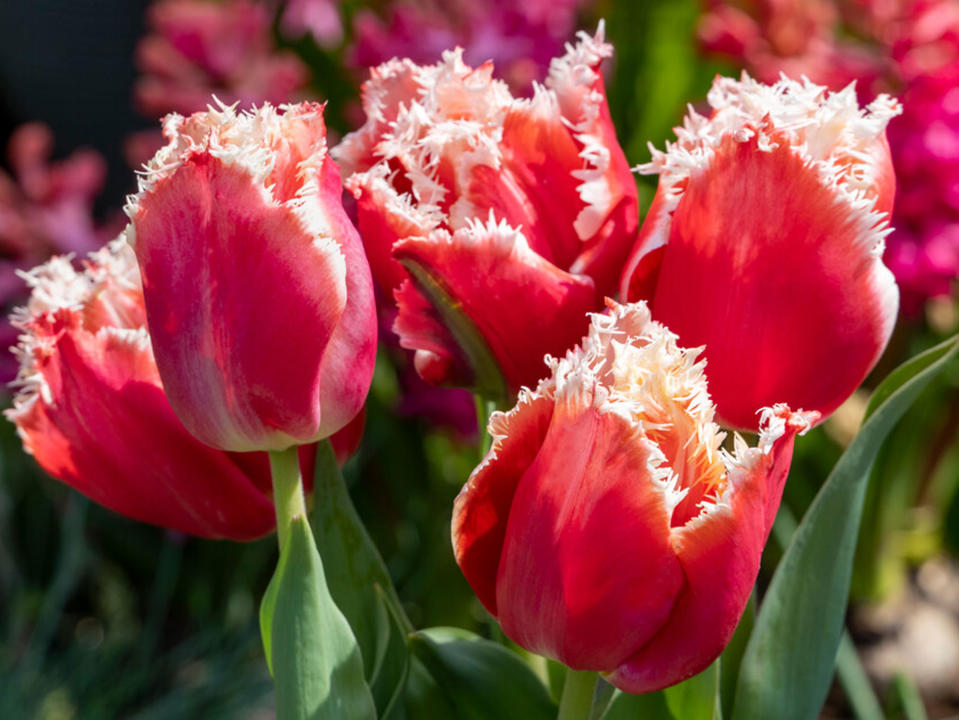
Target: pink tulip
{"points": [[606, 528], [258, 295], [499, 222], [91, 410], [764, 244]]}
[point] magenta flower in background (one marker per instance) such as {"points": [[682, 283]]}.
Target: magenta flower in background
{"points": [[520, 38], [195, 49], [198, 49], [907, 47], [46, 208], [318, 18]]}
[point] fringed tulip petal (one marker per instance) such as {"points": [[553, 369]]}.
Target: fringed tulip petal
{"points": [[257, 291], [482, 508], [719, 552], [446, 148], [93, 413], [764, 244], [554, 302], [606, 528], [587, 573]]}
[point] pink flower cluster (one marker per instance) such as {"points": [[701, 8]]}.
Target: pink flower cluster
{"points": [[45, 208], [909, 47], [520, 38], [225, 49]]}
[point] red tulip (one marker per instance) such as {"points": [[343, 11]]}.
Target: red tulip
{"points": [[499, 222], [606, 527], [258, 295], [91, 409], [764, 244]]}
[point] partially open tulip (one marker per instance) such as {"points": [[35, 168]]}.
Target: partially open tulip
{"points": [[764, 244], [90, 408], [499, 222], [258, 294], [606, 527]]}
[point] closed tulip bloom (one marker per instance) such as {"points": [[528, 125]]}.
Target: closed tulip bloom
{"points": [[258, 294], [90, 408], [473, 204], [764, 244], [607, 528]]}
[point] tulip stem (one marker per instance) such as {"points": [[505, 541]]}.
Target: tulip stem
{"points": [[288, 498], [578, 691]]}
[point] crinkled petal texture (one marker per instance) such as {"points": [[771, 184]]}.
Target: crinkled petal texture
{"points": [[764, 244], [258, 294], [93, 413], [448, 154], [606, 528]]}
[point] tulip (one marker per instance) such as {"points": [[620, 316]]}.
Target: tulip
{"points": [[764, 244], [497, 222], [258, 295], [606, 528], [91, 410]]}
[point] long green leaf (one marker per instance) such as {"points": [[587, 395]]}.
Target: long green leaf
{"points": [[481, 679], [360, 584], [317, 668], [789, 660]]}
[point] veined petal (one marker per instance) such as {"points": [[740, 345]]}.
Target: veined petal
{"points": [[490, 271]]}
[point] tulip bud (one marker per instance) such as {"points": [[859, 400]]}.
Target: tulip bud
{"points": [[90, 408], [258, 294], [764, 244], [606, 527], [473, 204]]}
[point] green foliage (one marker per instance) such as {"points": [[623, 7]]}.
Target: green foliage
{"points": [[316, 662], [481, 679]]}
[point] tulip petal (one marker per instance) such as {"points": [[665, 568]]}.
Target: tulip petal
{"points": [[719, 552], [111, 433], [237, 342], [587, 572], [776, 277], [491, 272], [384, 216], [482, 507]]}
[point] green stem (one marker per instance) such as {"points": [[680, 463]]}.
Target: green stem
{"points": [[484, 408], [288, 498], [578, 691]]}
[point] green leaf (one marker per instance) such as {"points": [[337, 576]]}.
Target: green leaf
{"points": [[360, 584], [391, 668], [732, 658], [317, 668], [789, 660], [651, 706], [481, 679], [267, 610], [695, 699]]}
